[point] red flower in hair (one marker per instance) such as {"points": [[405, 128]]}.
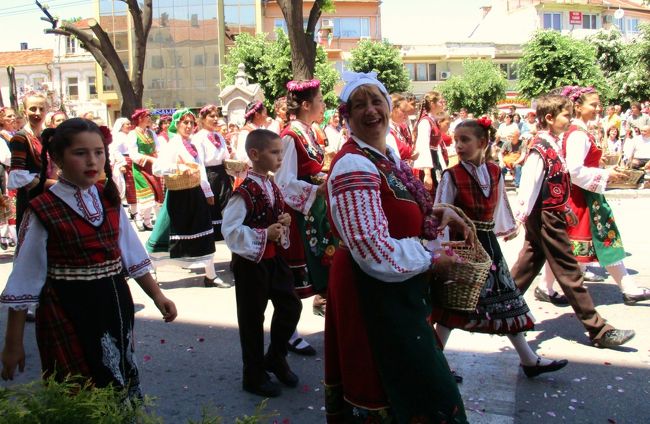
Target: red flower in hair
{"points": [[106, 133], [484, 122]]}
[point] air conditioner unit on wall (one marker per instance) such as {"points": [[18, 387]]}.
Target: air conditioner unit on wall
{"points": [[444, 75], [327, 23]]}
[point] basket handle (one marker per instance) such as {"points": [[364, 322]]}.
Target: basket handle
{"points": [[464, 217]]}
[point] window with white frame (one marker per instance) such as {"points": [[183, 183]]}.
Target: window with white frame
{"points": [[70, 45], [509, 69], [552, 21], [157, 84], [632, 25], [92, 87], [590, 21], [351, 27], [421, 71], [157, 61], [72, 89]]}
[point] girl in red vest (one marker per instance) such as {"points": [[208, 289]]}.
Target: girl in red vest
{"points": [[477, 187], [428, 141], [76, 248]]}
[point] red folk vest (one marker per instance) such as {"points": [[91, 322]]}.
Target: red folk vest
{"points": [[310, 156], [402, 211], [557, 182], [76, 249], [592, 160], [470, 197], [259, 212]]}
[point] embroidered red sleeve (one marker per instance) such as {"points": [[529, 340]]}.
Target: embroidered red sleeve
{"points": [[361, 218]]}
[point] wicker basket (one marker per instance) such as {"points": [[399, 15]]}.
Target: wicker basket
{"points": [[461, 287], [235, 167], [181, 181], [633, 180], [611, 159]]}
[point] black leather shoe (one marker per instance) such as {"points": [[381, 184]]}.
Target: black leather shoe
{"points": [[146, 227], [631, 299], [217, 282], [557, 298], [284, 374], [267, 389], [537, 369], [614, 338], [305, 351]]}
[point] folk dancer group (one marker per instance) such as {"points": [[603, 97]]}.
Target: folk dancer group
{"points": [[359, 239]]}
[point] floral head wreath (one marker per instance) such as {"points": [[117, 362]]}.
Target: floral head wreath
{"points": [[139, 114], [297, 86], [205, 109], [574, 92], [106, 133], [256, 108]]}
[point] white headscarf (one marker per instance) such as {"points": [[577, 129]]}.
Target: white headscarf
{"points": [[353, 80], [117, 126]]}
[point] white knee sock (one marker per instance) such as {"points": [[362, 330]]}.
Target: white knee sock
{"points": [[547, 280], [624, 280], [209, 269], [526, 355], [443, 334]]}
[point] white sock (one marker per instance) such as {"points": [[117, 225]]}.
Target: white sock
{"points": [[526, 355], [443, 334], [133, 208], [209, 269], [547, 280], [624, 280]]}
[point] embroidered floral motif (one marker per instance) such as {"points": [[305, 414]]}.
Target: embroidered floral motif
{"points": [[111, 357], [309, 143]]}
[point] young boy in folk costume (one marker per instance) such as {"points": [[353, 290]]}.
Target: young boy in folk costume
{"points": [[543, 210], [143, 150], [255, 228], [76, 249], [476, 186], [596, 237], [302, 181]]}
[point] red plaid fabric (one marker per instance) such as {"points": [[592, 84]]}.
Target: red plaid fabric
{"points": [[470, 197], [76, 249], [58, 344], [25, 152]]}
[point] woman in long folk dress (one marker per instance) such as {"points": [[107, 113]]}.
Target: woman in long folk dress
{"points": [[382, 363], [184, 230]]}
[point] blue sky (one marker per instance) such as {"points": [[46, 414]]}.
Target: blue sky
{"points": [[403, 21]]}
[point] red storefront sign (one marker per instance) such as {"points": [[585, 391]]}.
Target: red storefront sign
{"points": [[575, 18]]}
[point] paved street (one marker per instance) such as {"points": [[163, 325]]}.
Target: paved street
{"points": [[194, 363]]}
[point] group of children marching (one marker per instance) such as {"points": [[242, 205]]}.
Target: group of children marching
{"points": [[279, 233]]}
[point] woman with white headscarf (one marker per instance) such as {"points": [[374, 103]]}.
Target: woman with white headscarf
{"points": [[122, 164], [382, 361]]}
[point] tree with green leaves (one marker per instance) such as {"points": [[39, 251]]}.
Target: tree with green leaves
{"points": [[383, 58], [477, 89], [552, 60], [630, 83], [268, 63], [301, 37]]}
